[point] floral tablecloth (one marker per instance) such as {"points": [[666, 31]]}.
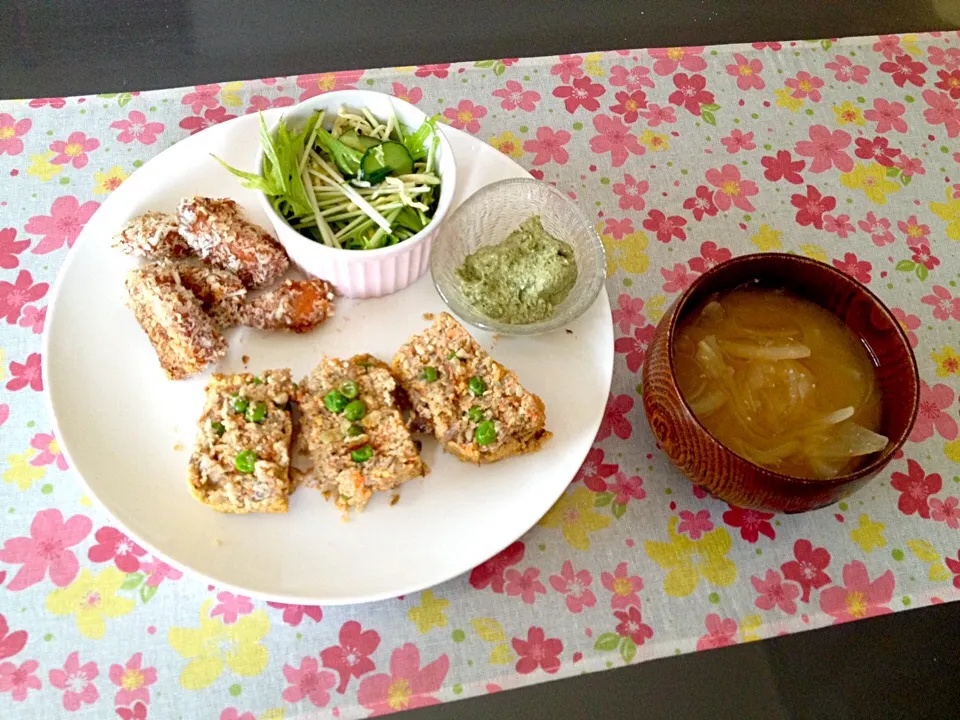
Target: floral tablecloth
{"points": [[845, 151]]}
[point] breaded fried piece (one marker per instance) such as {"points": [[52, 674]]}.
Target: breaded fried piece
{"points": [[355, 453], [185, 338], [474, 405], [220, 292], [241, 461], [222, 237], [153, 235], [297, 305]]}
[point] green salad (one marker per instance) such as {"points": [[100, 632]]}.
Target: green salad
{"points": [[362, 184]]}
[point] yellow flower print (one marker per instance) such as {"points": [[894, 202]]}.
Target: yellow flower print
{"points": [[872, 179], [592, 66], [869, 534], [108, 182], [786, 100], [749, 626], [654, 141], [405, 69], [952, 450], [214, 646], [3, 367], [92, 599], [814, 252], [508, 144], [573, 514], [848, 114], [909, 43], [627, 253], [688, 560], [274, 714], [228, 94], [767, 239], [949, 212], [21, 472], [429, 613], [948, 363], [656, 307], [42, 168]]}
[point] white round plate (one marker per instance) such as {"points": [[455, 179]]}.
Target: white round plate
{"points": [[128, 431]]}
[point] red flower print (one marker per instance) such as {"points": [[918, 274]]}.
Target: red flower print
{"points": [[953, 564], [406, 686], [308, 681], [657, 115], [624, 488], [114, 545], [260, 103], [877, 149], [582, 92], [136, 127], [48, 451], [594, 470], [630, 78], [710, 256], [515, 97], [10, 247], [134, 681], [47, 548], [139, 712], [351, 658], [887, 115], [812, 206], [858, 269], [230, 607], [491, 572], [923, 256], [439, 70], [909, 166], [624, 587], [720, 633], [807, 570], [568, 68], [888, 46], [204, 96], [783, 167], [629, 104], [694, 526], [934, 413], [905, 69], [618, 229], [576, 587], [27, 373], [946, 511], [319, 83], [909, 323], [34, 319], [73, 150], [945, 306], [846, 71], [537, 651], [701, 203], [669, 59], [773, 592], [635, 348], [19, 680], [738, 140], [293, 614], [690, 92], [747, 72], [10, 133], [13, 642], [466, 116], [879, 229], [949, 58], [839, 225], [76, 681], [678, 279], [56, 102], [805, 85], [64, 223], [548, 146], [827, 149], [752, 523], [732, 190], [526, 584], [630, 192], [631, 625], [949, 82], [13, 296], [197, 123], [629, 312], [615, 418], [157, 571], [412, 95], [859, 598], [665, 227], [915, 489]]}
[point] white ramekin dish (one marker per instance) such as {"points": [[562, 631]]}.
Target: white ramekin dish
{"points": [[365, 273]]}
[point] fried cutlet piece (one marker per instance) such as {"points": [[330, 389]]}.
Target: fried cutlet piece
{"points": [[153, 235], [220, 292], [184, 337], [361, 447], [222, 237], [474, 405], [297, 305], [241, 462]]}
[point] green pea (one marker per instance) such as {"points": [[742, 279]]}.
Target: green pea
{"points": [[361, 455], [486, 433], [218, 428], [477, 386], [355, 431], [246, 461], [476, 414], [430, 374], [240, 404], [349, 389], [257, 381], [257, 412], [356, 410], [452, 355], [335, 401]]}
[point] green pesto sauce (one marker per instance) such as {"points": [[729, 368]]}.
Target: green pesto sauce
{"points": [[522, 279]]}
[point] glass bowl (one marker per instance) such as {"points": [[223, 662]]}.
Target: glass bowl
{"points": [[487, 217]]}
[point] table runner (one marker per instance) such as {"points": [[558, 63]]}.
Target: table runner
{"points": [[844, 151]]}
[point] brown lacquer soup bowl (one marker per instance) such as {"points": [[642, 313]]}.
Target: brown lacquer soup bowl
{"points": [[719, 470]]}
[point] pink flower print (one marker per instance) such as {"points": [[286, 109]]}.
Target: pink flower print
{"points": [[10, 247], [747, 72], [114, 545], [412, 95], [635, 348], [318, 83], [773, 592], [934, 413], [630, 192], [139, 712], [576, 587], [406, 686], [49, 451], [845, 71], [47, 548], [738, 140], [859, 597], [537, 651], [949, 58], [439, 70], [614, 137], [691, 93], [76, 681], [27, 373], [19, 680], [807, 570], [858, 269], [55, 102], [568, 68], [136, 127], [694, 526], [632, 78], [157, 571], [710, 256], [34, 319], [594, 470], [10, 133], [839, 225], [351, 658], [887, 115], [293, 614], [905, 69], [812, 206], [515, 97], [665, 227], [908, 323], [946, 511], [204, 96], [877, 149], [701, 204], [308, 681], [62, 226], [669, 59], [879, 229], [548, 146], [234, 714], [678, 279], [491, 572], [752, 523], [774, 46], [626, 488], [657, 115], [14, 296], [582, 92], [945, 306], [133, 679], [4, 414], [783, 167], [618, 229], [631, 625], [526, 584], [73, 150], [615, 419], [260, 103], [888, 45], [230, 607], [629, 104], [827, 149], [198, 123], [720, 633], [922, 255], [732, 190], [624, 587], [805, 85], [466, 116], [11, 642], [910, 166], [915, 488]]}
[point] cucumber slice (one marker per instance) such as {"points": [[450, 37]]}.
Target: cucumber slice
{"points": [[384, 159], [358, 142]]}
